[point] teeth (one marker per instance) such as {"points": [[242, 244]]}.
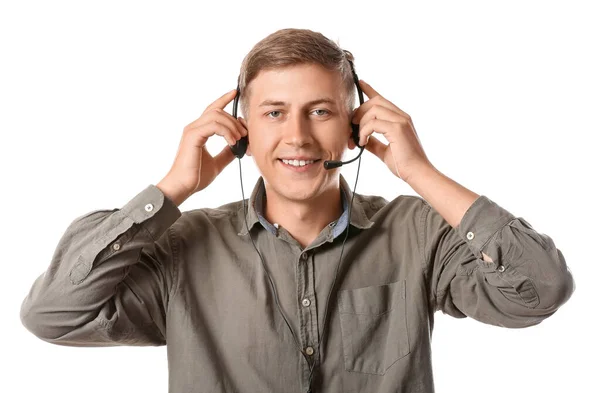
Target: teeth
{"points": [[298, 163]]}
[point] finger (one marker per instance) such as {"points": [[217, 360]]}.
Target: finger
{"points": [[367, 89], [231, 121], [222, 101], [382, 113], [378, 101], [207, 130], [218, 105], [228, 133], [376, 125], [243, 127], [372, 94], [222, 117], [376, 147]]}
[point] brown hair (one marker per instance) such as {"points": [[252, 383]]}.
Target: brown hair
{"points": [[287, 47]]}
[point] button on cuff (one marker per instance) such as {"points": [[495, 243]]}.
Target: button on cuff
{"points": [[153, 209], [485, 219]]}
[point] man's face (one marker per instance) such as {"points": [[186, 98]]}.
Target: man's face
{"points": [[286, 121]]}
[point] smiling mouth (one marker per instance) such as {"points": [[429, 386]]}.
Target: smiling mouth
{"points": [[298, 162], [299, 165]]}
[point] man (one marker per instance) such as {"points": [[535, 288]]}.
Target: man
{"points": [[148, 274]]}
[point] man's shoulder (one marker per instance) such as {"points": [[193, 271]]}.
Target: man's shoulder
{"points": [[219, 217], [376, 203]]}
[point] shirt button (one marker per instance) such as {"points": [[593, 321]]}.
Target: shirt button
{"points": [[304, 256], [470, 235], [309, 350], [149, 207], [306, 302], [116, 246], [501, 268]]}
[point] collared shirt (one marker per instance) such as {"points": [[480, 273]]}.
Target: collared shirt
{"points": [[148, 274], [257, 213]]}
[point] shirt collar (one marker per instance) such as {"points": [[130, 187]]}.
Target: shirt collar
{"points": [[255, 211]]}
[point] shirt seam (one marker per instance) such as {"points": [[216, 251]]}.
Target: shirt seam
{"points": [[431, 293], [173, 248]]}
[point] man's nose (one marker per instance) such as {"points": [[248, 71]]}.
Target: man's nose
{"points": [[298, 131]]}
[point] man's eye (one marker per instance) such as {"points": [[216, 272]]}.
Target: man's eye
{"points": [[323, 112]]}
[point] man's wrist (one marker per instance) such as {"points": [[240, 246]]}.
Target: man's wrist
{"points": [[172, 192]]}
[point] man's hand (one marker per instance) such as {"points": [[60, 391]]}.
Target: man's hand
{"points": [[404, 154], [194, 167]]}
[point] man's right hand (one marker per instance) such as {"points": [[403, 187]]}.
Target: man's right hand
{"points": [[194, 168]]}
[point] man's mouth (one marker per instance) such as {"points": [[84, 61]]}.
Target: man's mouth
{"points": [[299, 165]]}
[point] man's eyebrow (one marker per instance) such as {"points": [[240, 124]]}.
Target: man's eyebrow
{"points": [[324, 100]]}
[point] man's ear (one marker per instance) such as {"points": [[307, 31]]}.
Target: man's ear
{"points": [[351, 144], [245, 124]]}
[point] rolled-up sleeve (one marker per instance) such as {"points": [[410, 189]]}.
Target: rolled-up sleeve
{"points": [[109, 279], [527, 281]]}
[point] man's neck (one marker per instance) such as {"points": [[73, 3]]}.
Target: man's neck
{"points": [[303, 220]]}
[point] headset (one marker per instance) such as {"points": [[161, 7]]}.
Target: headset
{"points": [[239, 150]]}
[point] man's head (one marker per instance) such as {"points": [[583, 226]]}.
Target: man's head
{"points": [[297, 97], [289, 47]]}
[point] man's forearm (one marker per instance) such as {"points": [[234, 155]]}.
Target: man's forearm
{"points": [[446, 196]]}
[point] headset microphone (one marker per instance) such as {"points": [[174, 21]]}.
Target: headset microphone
{"points": [[330, 164]]}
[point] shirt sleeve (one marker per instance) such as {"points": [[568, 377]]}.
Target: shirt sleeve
{"points": [[110, 277], [527, 281]]}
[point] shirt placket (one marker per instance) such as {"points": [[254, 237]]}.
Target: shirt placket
{"points": [[307, 311]]}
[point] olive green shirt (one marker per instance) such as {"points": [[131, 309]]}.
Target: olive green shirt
{"points": [[148, 274]]}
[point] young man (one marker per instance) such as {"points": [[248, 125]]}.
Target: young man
{"points": [[148, 274]]}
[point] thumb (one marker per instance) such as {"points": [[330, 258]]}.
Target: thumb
{"points": [[376, 147], [224, 158]]}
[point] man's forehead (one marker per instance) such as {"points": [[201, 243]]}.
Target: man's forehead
{"points": [[300, 84], [298, 77]]}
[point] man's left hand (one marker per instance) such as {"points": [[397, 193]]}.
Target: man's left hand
{"points": [[404, 154]]}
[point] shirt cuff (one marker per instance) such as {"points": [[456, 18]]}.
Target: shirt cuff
{"points": [[481, 221], [153, 210]]}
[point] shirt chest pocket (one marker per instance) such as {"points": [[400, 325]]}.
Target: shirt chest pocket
{"points": [[374, 327]]}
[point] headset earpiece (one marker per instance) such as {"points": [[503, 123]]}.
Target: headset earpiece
{"points": [[240, 147], [355, 134]]}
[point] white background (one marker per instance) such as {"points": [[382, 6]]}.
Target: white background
{"points": [[94, 97]]}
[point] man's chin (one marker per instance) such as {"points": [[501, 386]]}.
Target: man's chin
{"points": [[297, 190]]}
